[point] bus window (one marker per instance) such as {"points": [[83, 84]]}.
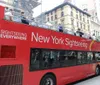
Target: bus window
{"points": [[54, 58], [68, 58], [81, 58], [89, 57], [49, 59], [35, 59], [97, 56], [45, 58]]}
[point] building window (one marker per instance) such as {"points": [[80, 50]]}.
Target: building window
{"points": [[84, 26], [80, 17], [88, 21], [62, 8], [51, 13], [76, 11], [55, 11], [76, 16], [55, 16], [83, 19], [55, 22], [72, 21], [81, 25], [62, 14], [71, 8], [88, 27], [77, 24], [48, 19], [71, 13], [62, 21], [95, 14], [51, 18]]}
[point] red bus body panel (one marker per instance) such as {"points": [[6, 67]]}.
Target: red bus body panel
{"points": [[1, 12]]}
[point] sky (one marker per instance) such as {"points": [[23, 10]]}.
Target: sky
{"points": [[49, 4], [46, 5], [88, 2]]}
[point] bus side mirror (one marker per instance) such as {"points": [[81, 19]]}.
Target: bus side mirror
{"points": [[1, 12]]}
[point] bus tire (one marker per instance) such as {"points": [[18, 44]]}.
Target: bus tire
{"points": [[48, 80], [97, 71]]}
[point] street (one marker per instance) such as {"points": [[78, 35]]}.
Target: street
{"points": [[89, 81]]}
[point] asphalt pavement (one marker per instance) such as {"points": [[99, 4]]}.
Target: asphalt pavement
{"points": [[90, 81]]}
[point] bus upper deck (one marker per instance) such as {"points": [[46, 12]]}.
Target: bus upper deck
{"points": [[13, 31], [22, 51]]}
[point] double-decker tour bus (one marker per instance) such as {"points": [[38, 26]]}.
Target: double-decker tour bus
{"points": [[32, 55]]}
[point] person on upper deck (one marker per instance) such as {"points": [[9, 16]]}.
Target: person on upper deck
{"points": [[79, 33], [60, 28], [93, 37], [8, 14], [24, 19]]}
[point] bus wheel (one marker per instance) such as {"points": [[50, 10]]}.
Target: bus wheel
{"points": [[48, 80], [97, 70]]}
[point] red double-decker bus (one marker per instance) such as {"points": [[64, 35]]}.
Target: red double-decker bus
{"points": [[35, 56]]}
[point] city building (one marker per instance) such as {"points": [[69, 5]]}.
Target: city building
{"points": [[21, 5], [96, 7], [41, 19], [95, 29], [71, 17], [93, 8], [95, 24]]}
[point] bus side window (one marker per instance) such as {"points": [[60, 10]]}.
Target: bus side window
{"points": [[84, 58], [49, 59], [45, 57], [35, 59], [89, 57], [79, 58], [97, 56], [68, 58]]}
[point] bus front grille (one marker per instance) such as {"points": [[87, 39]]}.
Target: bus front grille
{"points": [[11, 74]]}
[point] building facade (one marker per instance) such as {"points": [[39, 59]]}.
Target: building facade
{"points": [[41, 19], [71, 17], [95, 24], [96, 4], [95, 29], [21, 5]]}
